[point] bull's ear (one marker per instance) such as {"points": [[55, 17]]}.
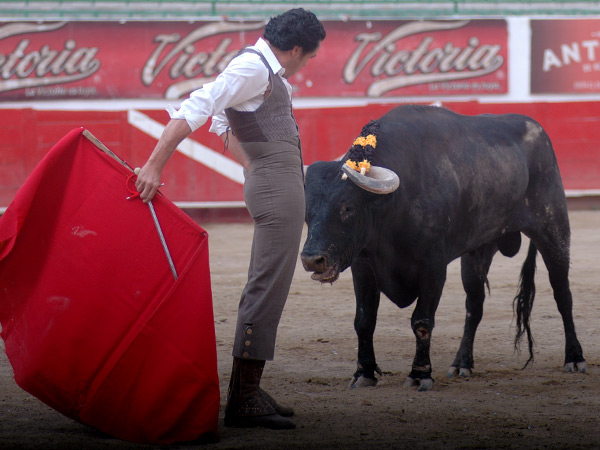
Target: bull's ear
{"points": [[378, 180]]}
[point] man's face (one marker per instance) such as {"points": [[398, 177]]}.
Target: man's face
{"points": [[298, 60]]}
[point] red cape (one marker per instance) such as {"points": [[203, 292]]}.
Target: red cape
{"points": [[93, 321]]}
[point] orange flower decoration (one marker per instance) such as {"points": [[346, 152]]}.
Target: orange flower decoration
{"points": [[352, 165], [364, 166], [363, 141]]}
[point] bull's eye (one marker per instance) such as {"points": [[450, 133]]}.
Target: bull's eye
{"points": [[347, 212]]}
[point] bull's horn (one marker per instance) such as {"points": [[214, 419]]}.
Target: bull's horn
{"points": [[378, 180]]}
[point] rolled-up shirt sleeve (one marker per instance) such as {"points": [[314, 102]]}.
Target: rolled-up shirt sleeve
{"points": [[192, 110], [243, 80], [219, 124]]}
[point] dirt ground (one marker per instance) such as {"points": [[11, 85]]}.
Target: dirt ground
{"points": [[500, 406]]}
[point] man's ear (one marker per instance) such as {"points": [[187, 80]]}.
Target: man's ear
{"points": [[297, 51]]}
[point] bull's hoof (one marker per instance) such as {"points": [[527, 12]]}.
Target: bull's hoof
{"points": [[425, 384], [361, 382], [576, 367], [409, 382], [463, 372]]}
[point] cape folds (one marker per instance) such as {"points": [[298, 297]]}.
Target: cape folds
{"points": [[93, 321]]}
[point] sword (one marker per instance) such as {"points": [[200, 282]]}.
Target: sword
{"points": [[160, 233], [162, 239]]}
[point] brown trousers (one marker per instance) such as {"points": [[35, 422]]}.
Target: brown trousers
{"points": [[274, 194]]}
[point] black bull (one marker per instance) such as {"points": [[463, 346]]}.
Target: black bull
{"points": [[469, 186]]}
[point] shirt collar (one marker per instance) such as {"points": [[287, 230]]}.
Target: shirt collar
{"points": [[262, 46]]}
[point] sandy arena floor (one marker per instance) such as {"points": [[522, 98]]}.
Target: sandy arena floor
{"points": [[500, 406]]}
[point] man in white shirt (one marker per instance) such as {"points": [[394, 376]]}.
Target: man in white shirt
{"points": [[253, 98]]}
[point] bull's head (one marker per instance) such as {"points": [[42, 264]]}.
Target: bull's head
{"points": [[339, 215]]}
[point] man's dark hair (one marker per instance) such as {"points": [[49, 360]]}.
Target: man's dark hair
{"points": [[295, 27]]}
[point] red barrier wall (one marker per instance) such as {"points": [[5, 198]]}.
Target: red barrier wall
{"points": [[373, 63], [326, 133]]}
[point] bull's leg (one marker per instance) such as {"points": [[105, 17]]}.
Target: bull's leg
{"points": [[554, 246], [431, 284], [474, 269], [367, 305]]}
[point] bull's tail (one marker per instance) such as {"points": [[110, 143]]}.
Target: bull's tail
{"points": [[523, 302]]}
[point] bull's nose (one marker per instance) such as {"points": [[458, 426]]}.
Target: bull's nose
{"points": [[314, 263]]}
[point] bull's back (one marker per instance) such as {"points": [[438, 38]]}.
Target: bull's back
{"points": [[432, 141], [463, 172], [431, 131]]}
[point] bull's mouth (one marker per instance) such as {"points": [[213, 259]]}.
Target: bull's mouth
{"points": [[328, 276]]}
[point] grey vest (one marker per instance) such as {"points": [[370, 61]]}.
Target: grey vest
{"points": [[272, 121]]}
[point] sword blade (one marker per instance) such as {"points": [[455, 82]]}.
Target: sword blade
{"points": [[162, 239]]}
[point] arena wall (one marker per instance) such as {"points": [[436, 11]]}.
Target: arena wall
{"points": [[115, 79]]}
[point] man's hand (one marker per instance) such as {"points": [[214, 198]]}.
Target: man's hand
{"points": [[148, 182]]}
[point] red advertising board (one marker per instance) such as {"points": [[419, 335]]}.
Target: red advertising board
{"points": [[374, 62], [414, 58], [207, 175], [565, 56], [51, 60]]}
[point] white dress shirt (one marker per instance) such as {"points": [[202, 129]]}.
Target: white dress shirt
{"points": [[240, 86]]}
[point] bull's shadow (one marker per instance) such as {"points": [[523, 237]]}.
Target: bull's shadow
{"points": [[466, 187]]}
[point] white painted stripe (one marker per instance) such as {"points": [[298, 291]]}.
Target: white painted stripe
{"points": [[299, 103], [210, 205], [192, 149], [572, 193]]}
